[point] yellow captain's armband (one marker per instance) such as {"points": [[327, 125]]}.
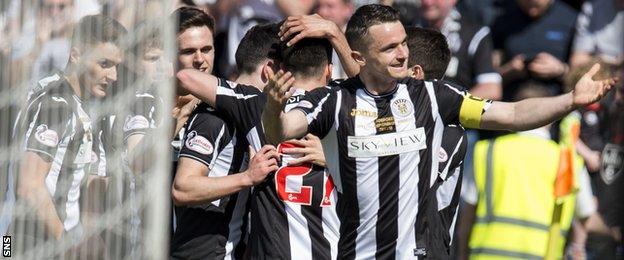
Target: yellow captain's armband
{"points": [[471, 111]]}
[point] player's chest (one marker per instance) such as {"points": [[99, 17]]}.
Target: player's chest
{"points": [[374, 128]]}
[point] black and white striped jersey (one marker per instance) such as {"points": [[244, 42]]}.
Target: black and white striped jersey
{"points": [[213, 230], [55, 125], [293, 213], [438, 207], [382, 152]]}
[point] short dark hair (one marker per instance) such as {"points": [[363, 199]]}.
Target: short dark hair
{"points": [[307, 57], [531, 89], [259, 43], [187, 17], [365, 17], [94, 29], [429, 49], [148, 35]]}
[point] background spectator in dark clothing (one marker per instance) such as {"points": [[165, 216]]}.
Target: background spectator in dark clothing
{"points": [[533, 41], [470, 45]]}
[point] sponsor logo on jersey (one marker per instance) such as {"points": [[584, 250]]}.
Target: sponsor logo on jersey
{"points": [[402, 107], [45, 136], [305, 104], [387, 144], [363, 112], [135, 122], [293, 99], [612, 163], [442, 155], [94, 157], [198, 143], [384, 124]]}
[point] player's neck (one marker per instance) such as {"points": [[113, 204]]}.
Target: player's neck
{"points": [[377, 86], [309, 84], [74, 82], [251, 80]]}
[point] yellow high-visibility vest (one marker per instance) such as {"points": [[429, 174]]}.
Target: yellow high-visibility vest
{"points": [[515, 176]]}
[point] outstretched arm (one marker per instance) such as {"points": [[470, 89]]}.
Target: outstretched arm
{"points": [[535, 112], [201, 85], [298, 27], [280, 126]]}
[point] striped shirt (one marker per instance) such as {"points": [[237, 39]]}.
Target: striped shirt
{"points": [[438, 214], [213, 230], [382, 152], [293, 213], [55, 126]]}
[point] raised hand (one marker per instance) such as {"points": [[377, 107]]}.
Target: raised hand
{"points": [[307, 26], [588, 90], [277, 89], [310, 149], [262, 163]]}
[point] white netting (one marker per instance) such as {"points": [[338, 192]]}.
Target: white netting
{"points": [[124, 204]]}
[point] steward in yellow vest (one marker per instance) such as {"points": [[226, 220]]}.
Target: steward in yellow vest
{"points": [[514, 176]]}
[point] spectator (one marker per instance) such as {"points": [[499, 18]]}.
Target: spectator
{"points": [[55, 26], [482, 11], [339, 12], [599, 31], [252, 12], [471, 48], [593, 238], [532, 40]]}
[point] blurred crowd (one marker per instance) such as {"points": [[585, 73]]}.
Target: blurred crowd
{"points": [[504, 50]]}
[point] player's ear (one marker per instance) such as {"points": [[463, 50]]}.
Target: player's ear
{"points": [[74, 55], [359, 58], [328, 72], [268, 66], [417, 72]]}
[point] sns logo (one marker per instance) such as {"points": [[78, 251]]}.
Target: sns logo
{"points": [[6, 246], [45, 136], [198, 143]]}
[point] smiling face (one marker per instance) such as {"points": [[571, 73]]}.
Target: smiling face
{"points": [[196, 49], [100, 69], [387, 53]]}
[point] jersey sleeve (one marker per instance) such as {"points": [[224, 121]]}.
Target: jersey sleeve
{"points": [[49, 121], [241, 104], [454, 146], [319, 106], [484, 71], [146, 114], [456, 106], [204, 137]]}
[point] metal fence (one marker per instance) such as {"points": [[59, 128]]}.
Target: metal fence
{"points": [[122, 192]]}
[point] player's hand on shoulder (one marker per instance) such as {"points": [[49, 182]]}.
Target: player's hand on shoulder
{"points": [[278, 88], [310, 149], [261, 164], [298, 27]]}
